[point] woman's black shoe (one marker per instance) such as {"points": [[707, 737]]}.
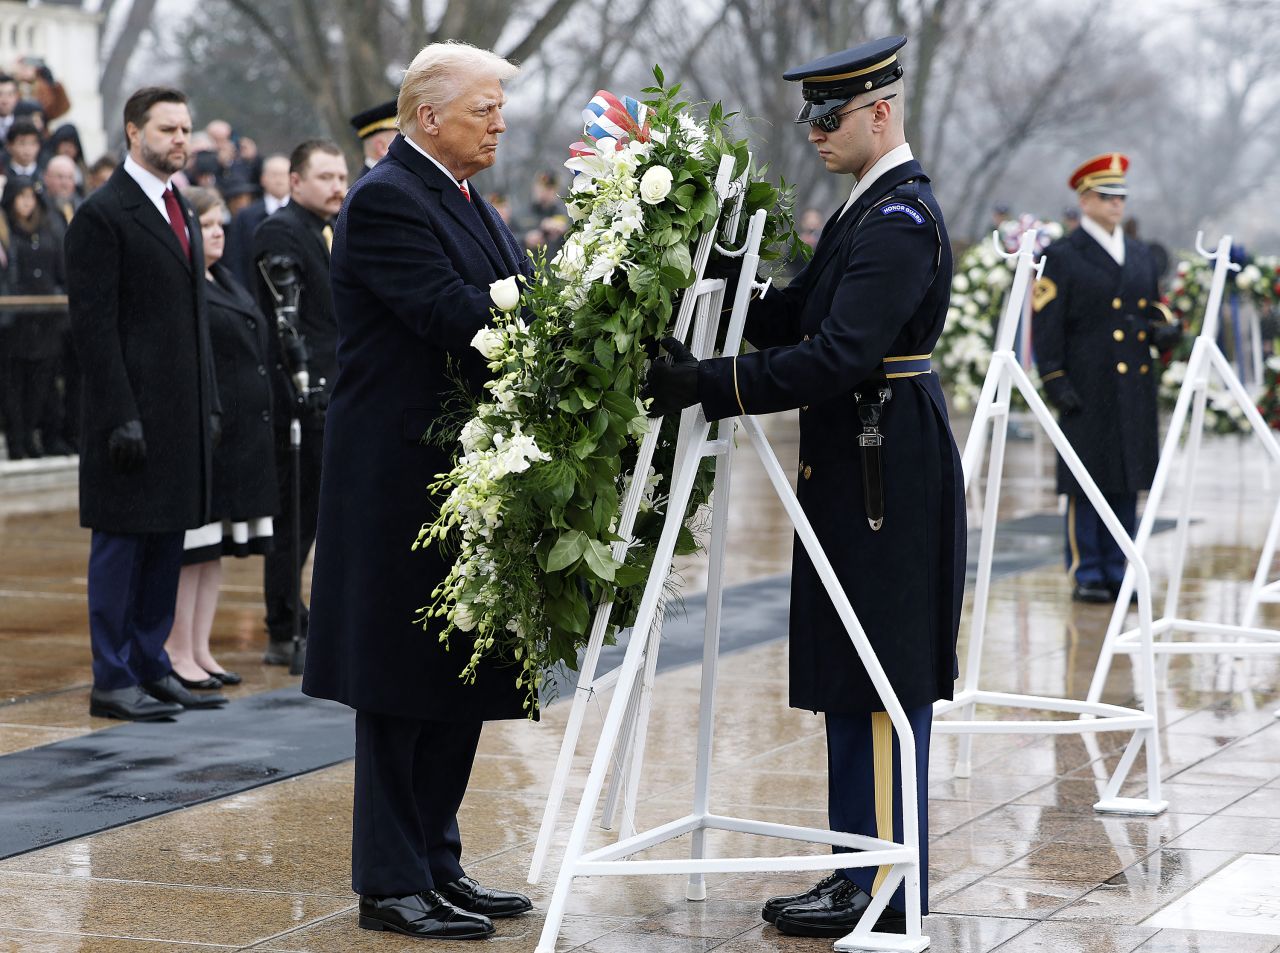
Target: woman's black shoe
{"points": [[227, 678], [207, 684], [426, 915]]}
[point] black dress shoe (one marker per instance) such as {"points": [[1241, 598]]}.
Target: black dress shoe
{"points": [[168, 689], [130, 704], [836, 914], [465, 894], [280, 652], [206, 684], [1091, 594], [227, 678], [775, 905], [427, 916]]}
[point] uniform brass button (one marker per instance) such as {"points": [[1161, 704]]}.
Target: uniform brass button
{"points": [[1142, 335], [1118, 334], [1116, 303], [1142, 302], [1122, 368], [1144, 368], [808, 472]]}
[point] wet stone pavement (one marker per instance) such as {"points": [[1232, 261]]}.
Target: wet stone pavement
{"points": [[1019, 861]]}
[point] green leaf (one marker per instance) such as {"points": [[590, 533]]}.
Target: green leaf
{"points": [[627, 576], [620, 405], [604, 353], [683, 195], [567, 550], [657, 74], [597, 557]]}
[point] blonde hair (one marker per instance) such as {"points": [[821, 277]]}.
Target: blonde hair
{"points": [[436, 74]]}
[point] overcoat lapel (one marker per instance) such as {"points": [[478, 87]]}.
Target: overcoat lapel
{"points": [[1095, 254], [834, 234], [135, 200]]}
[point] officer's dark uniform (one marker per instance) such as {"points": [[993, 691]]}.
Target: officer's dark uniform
{"points": [[376, 119], [865, 313], [1094, 327]]}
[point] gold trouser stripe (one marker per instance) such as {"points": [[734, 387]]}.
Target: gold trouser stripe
{"points": [[1071, 536], [832, 77], [882, 768], [736, 392]]}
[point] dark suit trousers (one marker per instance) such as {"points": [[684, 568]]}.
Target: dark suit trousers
{"points": [[1092, 555], [279, 572], [410, 779], [133, 588], [863, 780]]}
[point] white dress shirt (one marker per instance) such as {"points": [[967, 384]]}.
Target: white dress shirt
{"points": [[894, 157], [1112, 242], [153, 188], [273, 204]]}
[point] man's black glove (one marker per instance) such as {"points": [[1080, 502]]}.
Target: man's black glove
{"points": [[1166, 336], [1063, 396], [215, 429], [125, 447], [674, 386], [316, 402]]}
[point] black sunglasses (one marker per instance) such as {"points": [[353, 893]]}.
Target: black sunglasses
{"points": [[831, 121]]}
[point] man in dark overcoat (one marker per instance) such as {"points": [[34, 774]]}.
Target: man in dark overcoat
{"points": [[1097, 318], [303, 232], [848, 343], [150, 405], [415, 252]]}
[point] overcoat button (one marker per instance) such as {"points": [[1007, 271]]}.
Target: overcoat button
{"points": [[266, 415], [262, 371], [1142, 302], [1122, 368], [1142, 335], [1117, 304], [1118, 334], [1144, 368], [808, 472]]}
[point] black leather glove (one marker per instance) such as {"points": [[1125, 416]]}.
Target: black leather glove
{"points": [[215, 429], [1063, 396], [1166, 336], [126, 448], [316, 402], [674, 386]]}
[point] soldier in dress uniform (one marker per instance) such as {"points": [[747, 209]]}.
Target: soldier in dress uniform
{"points": [[1098, 323], [848, 343], [376, 127]]}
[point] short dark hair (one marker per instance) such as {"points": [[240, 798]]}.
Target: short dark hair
{"points": [[21, 127], [302, 153], [138, 108], [6, 78], [104, 163]]}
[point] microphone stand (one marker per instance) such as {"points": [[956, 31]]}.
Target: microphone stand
{"points": [[281, 276]]}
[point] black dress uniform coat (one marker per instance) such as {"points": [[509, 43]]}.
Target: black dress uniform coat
{"points": [[244, 482], [1092, 335], [142, 336], [878, 286], [299, 233], [412, 265]]}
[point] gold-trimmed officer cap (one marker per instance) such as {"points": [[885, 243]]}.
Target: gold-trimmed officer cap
{"points": [[375, 119], [1103, 174], [830, 82]]}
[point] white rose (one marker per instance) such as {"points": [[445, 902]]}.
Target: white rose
{"points": [[960, 283], [505, 294], [488, 342], [655, 184]]}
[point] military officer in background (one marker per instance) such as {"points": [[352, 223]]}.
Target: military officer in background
{"points": [[1097, 326], [848, 343], [376, 127]]}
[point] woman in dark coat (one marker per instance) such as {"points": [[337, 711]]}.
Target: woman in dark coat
{"points": [[35, 268], [244, 496]]}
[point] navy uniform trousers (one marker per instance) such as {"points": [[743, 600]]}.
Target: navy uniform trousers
{"points": [[1093, 558], [410, 776], [863, 779], [133, 589]]}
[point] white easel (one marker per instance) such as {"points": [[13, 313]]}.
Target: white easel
{"points": [[1004, 374], [1245, 639], [692, 447]]}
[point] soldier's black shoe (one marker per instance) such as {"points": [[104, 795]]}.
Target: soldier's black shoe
{"points": [[775, 905], [836, 914], [465, 894], [427, 916], [1091, 594]]}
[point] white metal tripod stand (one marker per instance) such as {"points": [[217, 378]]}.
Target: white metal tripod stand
{"points": [[1243, 639], [902, 859], [1005, 374]]}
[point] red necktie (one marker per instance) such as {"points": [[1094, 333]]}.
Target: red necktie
{"points": [[462, 186], [175, 220]]}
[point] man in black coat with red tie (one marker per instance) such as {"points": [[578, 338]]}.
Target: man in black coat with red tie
{"points": [[415, 251], [848, 343], [135, 283]]}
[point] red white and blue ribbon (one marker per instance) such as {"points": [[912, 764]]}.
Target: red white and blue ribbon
{"points": [[608, 119]]}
